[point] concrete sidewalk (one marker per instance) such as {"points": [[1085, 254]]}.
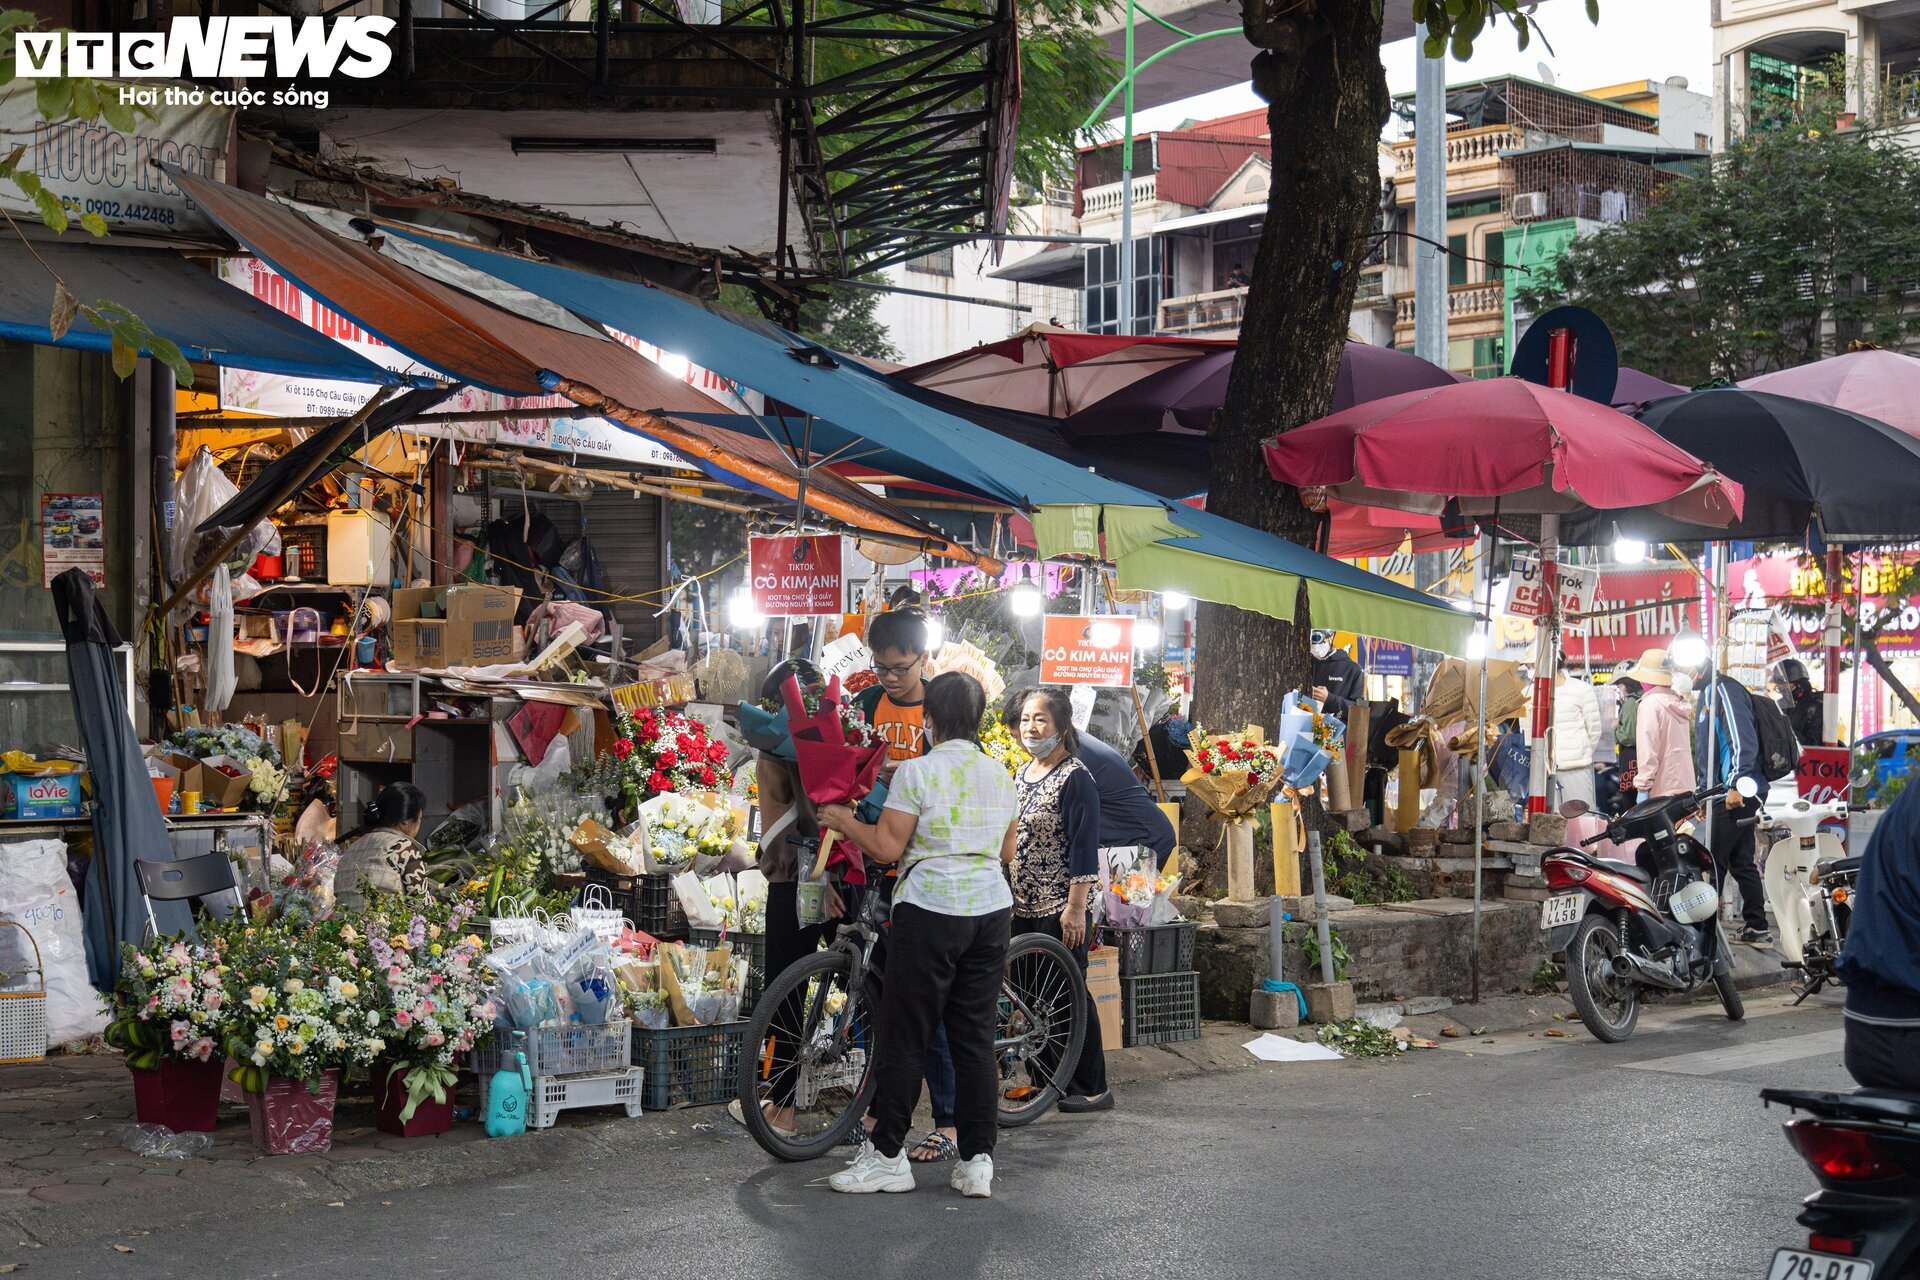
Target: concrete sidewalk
{"points": [[66, 1177]]}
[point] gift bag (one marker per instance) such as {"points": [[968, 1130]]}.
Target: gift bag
{"points": [[597, 914]]}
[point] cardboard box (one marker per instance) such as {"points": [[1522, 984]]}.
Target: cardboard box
{"points": [[1103, 987], [53, 795], [476, 631], [224, 782]]}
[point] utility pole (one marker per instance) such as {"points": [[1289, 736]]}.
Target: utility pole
{"points": [[1429, 204]]}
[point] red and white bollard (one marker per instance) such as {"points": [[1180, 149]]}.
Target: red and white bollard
{"points": [[1830, 699], [1560, 355]]}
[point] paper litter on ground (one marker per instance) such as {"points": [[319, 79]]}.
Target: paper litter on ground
{"points": [[1272, 1048]]}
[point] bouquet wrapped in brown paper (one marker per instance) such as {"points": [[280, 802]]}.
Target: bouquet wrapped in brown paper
{"points": [[1234, 774]]}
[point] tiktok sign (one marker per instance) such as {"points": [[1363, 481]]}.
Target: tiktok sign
{"points": [[796, 576]]}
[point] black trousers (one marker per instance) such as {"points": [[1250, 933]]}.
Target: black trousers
{"points": [[1733, 855], [1090, 1074], [941, 971], [1883, 1057], [787, 942]]}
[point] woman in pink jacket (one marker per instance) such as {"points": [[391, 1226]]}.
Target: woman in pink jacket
{"points": [[1664, 731]]}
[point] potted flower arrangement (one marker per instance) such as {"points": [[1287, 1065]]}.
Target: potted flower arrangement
{"points": [[298, 1018], [167, 1011], [423, 971]]}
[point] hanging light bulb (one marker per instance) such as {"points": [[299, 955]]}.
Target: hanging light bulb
{"points": [[742, 613], [1175, 601], [1476, 646], [936, 635], [1629, 550], [1104, 634], [1025, 600], [1146, 635], [1688, 652]]}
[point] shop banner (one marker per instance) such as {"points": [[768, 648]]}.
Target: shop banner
{"points": [[1799, 582], [796, 576], [1386, 657], [1091, 651], [1634, 611], [72, 536], [94, 168], [1822, 774], [1527, 593]]}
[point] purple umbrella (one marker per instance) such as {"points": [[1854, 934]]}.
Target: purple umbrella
{"points": [[1185, 396], [1634, 389]]}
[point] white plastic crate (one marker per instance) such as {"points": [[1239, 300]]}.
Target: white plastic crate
{"points": [[554, 1094]]}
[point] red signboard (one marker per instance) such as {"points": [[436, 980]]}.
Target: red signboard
{"points": [[1634, 612], [1822, 774], [1089, 651], [796, 576]]}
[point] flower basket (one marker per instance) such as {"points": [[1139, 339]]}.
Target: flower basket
{"points": [[179, 1093], [291, 1117], [390, 1099]]}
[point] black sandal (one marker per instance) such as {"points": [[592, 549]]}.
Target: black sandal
{"points": [[938, 1146]]}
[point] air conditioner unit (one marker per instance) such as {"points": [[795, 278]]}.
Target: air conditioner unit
{"points": [[1530, 204]]}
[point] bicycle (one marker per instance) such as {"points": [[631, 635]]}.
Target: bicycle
{"points": [[810, 1043]]}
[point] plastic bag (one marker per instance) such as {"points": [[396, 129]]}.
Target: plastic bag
{"points": [[36, 891], [202, 490], [160, 1142], [220, 678]]}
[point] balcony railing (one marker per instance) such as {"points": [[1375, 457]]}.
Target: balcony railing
{"points": [[1203, 312], [1373, 288], [1101, 201], [1464, 302], [1465, 147]]}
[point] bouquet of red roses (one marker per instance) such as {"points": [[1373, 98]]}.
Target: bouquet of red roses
{"points": [[661, 751], [836, 753]]}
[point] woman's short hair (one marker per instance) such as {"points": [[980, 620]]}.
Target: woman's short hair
{"points": [[1058, 706], [955, 702]]}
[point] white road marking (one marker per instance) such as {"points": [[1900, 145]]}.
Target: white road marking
{"points": [[1764, 1053]]}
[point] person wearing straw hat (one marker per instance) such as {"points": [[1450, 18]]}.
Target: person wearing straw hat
{"points": [[1663, 730]]}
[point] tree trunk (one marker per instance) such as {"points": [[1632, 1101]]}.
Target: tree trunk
{"points": [[1319, 71]]}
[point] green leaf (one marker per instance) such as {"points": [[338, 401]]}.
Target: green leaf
{"points": [[118, 114], [169, 354], [52, 212], [125, 358], [1522, 28], [86, 99], [1462, 46], [94, 223], [1593, 12], [1435, 47], [28, 183], [52, 96], [65, 305]]}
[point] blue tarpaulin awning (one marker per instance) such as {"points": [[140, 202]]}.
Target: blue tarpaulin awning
{"points": [[859, 416], [206, 318]]}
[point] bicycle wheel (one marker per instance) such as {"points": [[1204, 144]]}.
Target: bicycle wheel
{"points": [[807, 1074], [1042, 1025]]}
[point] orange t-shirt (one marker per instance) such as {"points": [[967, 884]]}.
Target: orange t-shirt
{"points": [[903, 726]]}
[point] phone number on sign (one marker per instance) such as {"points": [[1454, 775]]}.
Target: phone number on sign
{"points": [[114, 210]]}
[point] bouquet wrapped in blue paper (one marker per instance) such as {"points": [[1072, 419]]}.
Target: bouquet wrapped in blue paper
{"points": [[1307, 741]]}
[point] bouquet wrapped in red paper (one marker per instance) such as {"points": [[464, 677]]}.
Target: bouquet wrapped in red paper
{"points": [[838, 756]]}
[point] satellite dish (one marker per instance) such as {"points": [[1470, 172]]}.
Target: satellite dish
{"points": [[1596, 361], [1546, 73]]}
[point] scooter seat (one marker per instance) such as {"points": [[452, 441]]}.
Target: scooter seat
{"points": [[1631, 870]]}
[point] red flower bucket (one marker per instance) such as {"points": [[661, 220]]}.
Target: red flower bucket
{"points": [[181, 1094], [291, 1118], [390, 1099]]}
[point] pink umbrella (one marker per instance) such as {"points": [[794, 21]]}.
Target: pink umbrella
{"points": [[1535, 450], [1053, 371], [1874, 384]]}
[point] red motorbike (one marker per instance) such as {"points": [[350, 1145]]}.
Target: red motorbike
{"points": [[1635, 930]]}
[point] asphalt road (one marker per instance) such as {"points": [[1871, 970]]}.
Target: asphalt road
{"points": [[1526, 1157]]}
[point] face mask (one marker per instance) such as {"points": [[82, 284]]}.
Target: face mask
{"points": [[1041, 748], [1683, 684], [1321, 649]]}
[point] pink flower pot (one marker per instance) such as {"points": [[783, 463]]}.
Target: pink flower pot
{"points": [[390, 1099], [291, 1118], [181, 1094]]}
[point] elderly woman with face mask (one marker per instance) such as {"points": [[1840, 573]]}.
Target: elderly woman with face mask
{"points": [[1056, 861]]}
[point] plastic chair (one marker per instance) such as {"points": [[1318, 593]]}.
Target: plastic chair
{"points": [[205, 882]]}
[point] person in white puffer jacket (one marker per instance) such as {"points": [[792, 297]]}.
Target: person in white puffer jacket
{"points": [[1576, 739]]}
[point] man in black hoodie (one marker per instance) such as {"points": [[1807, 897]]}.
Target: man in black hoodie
{"points": [[1338, 683]]}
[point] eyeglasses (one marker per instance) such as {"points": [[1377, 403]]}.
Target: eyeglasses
{"points": [[880, 669]]}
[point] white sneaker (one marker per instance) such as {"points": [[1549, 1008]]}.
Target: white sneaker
{"points": [[973, 1178], [872, 1171]]}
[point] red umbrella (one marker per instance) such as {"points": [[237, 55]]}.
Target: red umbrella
{"points": [[1053, 371], [1359, 532], [1536, 450]]}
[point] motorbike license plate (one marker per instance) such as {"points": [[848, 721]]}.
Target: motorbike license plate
{"points": [[1797, 1264], [1561, 909]]}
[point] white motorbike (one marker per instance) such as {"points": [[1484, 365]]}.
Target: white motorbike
{"points": [[1798, 841]]}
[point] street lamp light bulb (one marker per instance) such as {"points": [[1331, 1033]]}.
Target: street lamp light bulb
{"points": [[742, 613], [1629, 550], [1175, 601], [1104, 635], [1477, 646], [1146, 635], [936, 635], [1025, 600], [1688, 652]]}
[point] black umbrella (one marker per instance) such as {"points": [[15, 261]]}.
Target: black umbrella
{"points": [[1806, 467], [319, 455], [126, 814]]}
